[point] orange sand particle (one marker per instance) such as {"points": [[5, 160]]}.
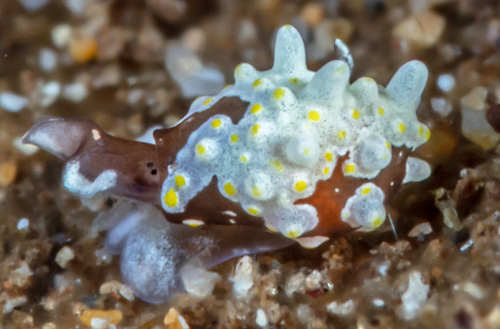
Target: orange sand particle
{"points": [[8, 171], [112, 316], [83, 50], [173, 320]]}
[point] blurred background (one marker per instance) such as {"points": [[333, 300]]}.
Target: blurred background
{"points": [[129, 65]]}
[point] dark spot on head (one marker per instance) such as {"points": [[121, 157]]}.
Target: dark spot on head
{"points": [[463, 320], [154, 172], [149, 164]]}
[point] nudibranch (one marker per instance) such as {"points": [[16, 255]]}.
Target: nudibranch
{"points": [[288, 150]]}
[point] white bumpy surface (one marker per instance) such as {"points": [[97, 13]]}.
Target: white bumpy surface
{"points": [[297, 124]]}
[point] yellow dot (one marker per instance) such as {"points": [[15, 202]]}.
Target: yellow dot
{"points": [[388, 145], [329, 156], [326, 170], [355, 114], [207, 101], [292, 234], [313, 116], [171, 198], [253, 211], [377, 221], [234, 138], [257, 83], [192, 222], [341, 134], [381, 111], [288, 26], [401, 127], [277, 165], [300, 186], [255, 108], [180, 181], [256, 192], [350, 169], [216, 123], [366, 190], [229, 189], [420, 130], [255, 129], [227, 86], [200, 149], [279, 93], [427, 134], [306, 151], [243, 159], [293, 80]]}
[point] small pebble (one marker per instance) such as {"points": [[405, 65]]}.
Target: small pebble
{"points": [[77, 7], [126, 292], [260, 318], [423, 29], [112, 316], [14, 302], [198, 281], [474, 290], [312, 14], [64, 256], [20, 277], [75, 92], [61, 35], [475, 99], [49, 325], [98, 323], [414, 296], [34, 5], [446, 82], [441, 106], [243, 277], [83, 50], [23, 224], [102, 257], [110, 287], [49, 92], [341, 309], [313, 280], [47, 59], [12, 102], [295, 283], [8, 171], [475, 125], [420, 229], [194, 39], [174, 320]]}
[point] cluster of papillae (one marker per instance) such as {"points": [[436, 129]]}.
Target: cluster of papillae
{"points": [[297, 125]]}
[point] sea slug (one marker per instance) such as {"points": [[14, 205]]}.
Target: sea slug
{"points": [[288, 150]]}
